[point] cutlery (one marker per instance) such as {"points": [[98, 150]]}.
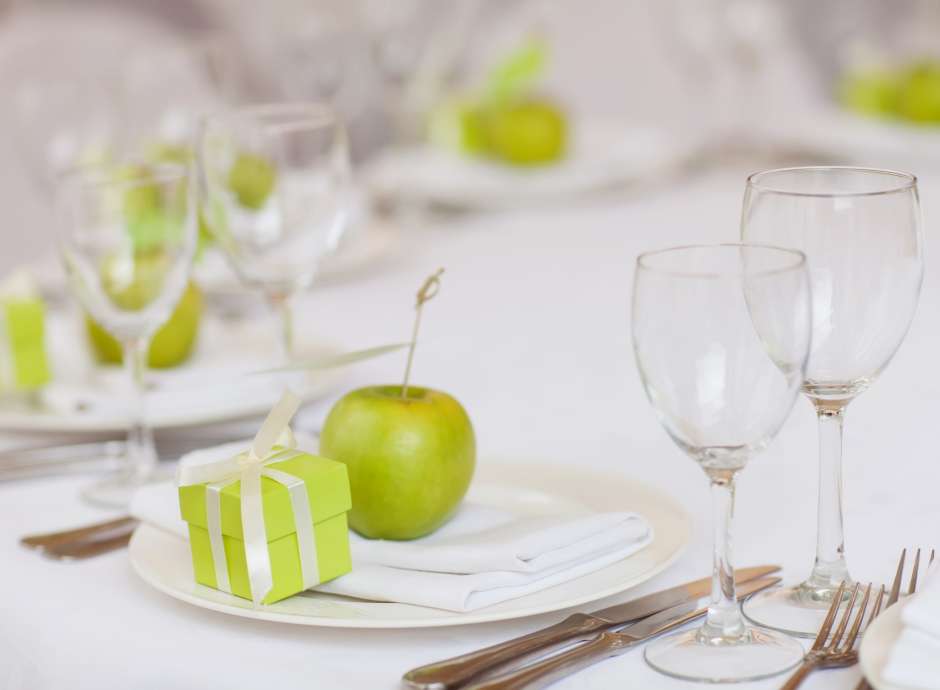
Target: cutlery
{"points": [[458, 671], [834, 653], [52, 539], [607, 644], [896, 593]]}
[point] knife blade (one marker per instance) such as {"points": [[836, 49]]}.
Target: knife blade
{"points": [[458, 671], [606, 644]]}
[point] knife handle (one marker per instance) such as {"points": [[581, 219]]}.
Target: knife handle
{"points": [[459, 670], [554, 668], [546, 672]]}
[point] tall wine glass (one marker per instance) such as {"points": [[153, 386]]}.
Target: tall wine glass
{"points": [[721, 336], [126, 236], [861, 232], [274, 192]]}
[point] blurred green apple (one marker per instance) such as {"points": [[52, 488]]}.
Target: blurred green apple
{"points": [[173, 342], [252, 180], [459, 125], [410, 459], [528, 132], [873, 92], [919, 98]]}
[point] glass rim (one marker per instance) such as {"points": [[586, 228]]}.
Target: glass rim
{"points": [[102, 174], [643, 260], [318, 113], [909, 181]]}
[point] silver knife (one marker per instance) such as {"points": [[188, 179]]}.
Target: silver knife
{"points": [[460, 670], [606, 644]]}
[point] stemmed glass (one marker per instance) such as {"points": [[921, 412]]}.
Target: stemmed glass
{"points": [[861, 231], [274, 192], [126, 236], [721, 336]]}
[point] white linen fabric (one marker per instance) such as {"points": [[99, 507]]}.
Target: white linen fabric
{"points": [[484, 555], [915, 658]]}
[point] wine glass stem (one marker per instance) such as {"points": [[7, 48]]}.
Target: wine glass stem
{"points": [[724, 619], [283, 305], [830, 567], [141, 454]]}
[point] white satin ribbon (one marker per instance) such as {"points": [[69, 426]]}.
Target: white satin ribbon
{"points": [[248, 468]]}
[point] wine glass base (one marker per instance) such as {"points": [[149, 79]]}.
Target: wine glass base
{"points": [[756, 654], [790, 610], [117, 490]]}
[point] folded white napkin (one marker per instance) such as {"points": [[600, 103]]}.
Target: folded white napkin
{"points": [[914, 660], [483, 556]]}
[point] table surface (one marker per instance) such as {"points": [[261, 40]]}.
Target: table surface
{"points": [[530, 332]]}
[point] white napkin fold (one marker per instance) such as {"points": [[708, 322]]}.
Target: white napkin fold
{"points": [[914, 660], [483, 556]]}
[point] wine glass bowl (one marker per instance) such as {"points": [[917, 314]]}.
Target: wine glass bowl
{"points": [[274, 192], [721, 336], [860, 229]]}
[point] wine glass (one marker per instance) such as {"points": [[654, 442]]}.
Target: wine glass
{"points": [[126, 236], [861, 232], [721, 336], [274, 192]]}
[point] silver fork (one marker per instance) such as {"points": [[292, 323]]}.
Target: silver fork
{"points": [[834, 653], [896, 592]]}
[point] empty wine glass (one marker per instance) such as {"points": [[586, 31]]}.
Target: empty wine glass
{"points": [[721, 336], [126, 235], [861, 232], [274, 192]]}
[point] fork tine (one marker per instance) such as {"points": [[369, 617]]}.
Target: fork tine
{"points": [[844, 622], [913, 586], [830, 617], [877, 607], [896, 586], [857, 625], [933, 553]]}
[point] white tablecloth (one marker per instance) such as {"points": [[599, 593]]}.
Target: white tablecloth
{"points": [[530, 332]]}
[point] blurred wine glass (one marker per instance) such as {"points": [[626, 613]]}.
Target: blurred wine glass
{"points": [[275, 193]]}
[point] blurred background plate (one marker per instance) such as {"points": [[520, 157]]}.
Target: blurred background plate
{"points": [[604, 156], [163, 560]]}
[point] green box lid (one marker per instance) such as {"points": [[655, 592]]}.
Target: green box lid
{"points": [[327, 491]]}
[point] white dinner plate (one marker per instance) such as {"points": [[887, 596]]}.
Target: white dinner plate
{"points": [[876, 647], [603, 156], [216, 385], [163, 560]]}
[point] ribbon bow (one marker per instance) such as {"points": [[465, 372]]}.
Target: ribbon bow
{"points": [[248, 468]]}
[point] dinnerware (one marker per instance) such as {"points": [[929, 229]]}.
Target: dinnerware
{"points": [[458, 671], [163, 559], [87, 399], [861, 231], [607, 644], [837, 651], [604, 156], [126, 237], [274, 192], [721, 336], [892, 599]]}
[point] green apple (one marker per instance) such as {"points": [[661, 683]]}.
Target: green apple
{"points": [[173, 342], [529, 132], [919, 98], [873, 92], [252, 180], [410, 459]]}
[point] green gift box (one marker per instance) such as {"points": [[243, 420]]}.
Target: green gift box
{"points": [[24, 365], [326, 488]]}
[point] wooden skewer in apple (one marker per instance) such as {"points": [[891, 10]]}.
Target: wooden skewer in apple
{"points": [[410, 451], [428, 290]]}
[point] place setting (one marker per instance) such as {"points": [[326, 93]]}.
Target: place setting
{"points": [[243, 418]]}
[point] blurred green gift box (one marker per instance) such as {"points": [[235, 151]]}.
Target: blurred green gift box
{"points": [[24, 364], [328, 497]]}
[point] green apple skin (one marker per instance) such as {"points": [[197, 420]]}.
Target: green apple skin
{"points": [[252, 180], [530, 132], [410, 460], [171, 345]]}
